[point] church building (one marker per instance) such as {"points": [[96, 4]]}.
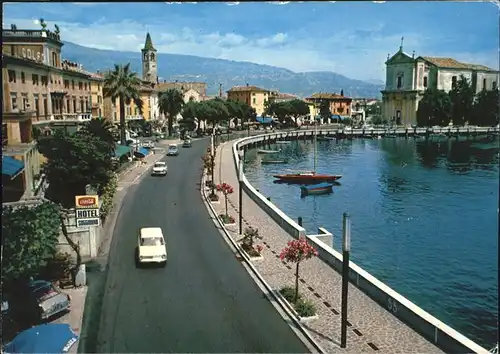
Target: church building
{"points": [[408, 77]]}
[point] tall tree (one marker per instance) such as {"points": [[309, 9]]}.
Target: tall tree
{"points": [[29, 239], [102, 129], [123, 84], [485, 109], [73, 162], [298, 108], [434, 109], [462, 99], [324, 110], [190, 112], [170, 103]]}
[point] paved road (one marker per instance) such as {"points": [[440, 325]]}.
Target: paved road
{"points": [[204, 300]]}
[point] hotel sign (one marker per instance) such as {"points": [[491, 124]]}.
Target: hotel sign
{"points": [[87, 210]]}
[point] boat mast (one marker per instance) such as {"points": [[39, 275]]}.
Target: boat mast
{"points": [[315, 130]]}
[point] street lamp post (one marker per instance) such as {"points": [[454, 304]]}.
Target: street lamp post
{"points": [[240, 180], [248, 127], [346, 247], [212, 158]]}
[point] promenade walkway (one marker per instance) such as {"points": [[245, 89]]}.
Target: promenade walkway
{"points": [[371, 327]]}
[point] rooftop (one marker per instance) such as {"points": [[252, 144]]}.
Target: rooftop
{"points": [[247, 88], [450, 63], [327, 96]]}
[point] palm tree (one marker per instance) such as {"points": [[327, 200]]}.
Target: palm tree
{"points": [[100, 128], [124, 84], [170, 103]]}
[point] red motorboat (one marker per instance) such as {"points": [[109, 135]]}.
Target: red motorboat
{"points": [[306, 178]]}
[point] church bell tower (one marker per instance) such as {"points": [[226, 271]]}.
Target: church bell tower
{"points": [[149, 62]]}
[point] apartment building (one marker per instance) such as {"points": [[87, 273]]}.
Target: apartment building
{"points": [[252, 95], [37, 79]]}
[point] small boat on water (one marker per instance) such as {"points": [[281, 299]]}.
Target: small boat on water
{"points": [[391, 136], [306, 178], [274, 161], [325, 138], [366, 136], [264, 151], [283, 142], [317, 189]]}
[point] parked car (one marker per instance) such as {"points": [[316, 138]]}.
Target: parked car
{"points": [[172, 150], [151, 247], [148, 144], [159, 169], [187, 143], [39, 300]]}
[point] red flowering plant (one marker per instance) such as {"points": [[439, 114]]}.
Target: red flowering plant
{"points": [[225, 189], [297, 251]]}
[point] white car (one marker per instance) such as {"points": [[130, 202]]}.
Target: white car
{"points": [[159, 169], [151, 248], [173, 150]]}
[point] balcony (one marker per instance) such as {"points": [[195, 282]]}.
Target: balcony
{"points": [[72, 117], [18, 115], [31, 34]]}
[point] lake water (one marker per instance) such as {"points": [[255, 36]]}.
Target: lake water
{"points": [[424, 218]]}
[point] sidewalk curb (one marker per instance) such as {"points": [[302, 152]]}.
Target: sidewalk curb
{"points": [[277, 303]]}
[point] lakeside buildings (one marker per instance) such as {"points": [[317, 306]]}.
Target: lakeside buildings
{"points": [[408, 77], [41, 89]]}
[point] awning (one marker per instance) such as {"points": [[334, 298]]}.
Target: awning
{"points": [[264, 120], [121, 150], [142, 151], [11, 166]]}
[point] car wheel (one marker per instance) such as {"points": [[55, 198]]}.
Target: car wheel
{"points": [[137, 263], [163, 264]]}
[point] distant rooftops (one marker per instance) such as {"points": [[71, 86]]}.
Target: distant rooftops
{"points": [[327, 96], [247, 88]]}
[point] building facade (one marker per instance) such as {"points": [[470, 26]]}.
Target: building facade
{"points": [[408, 77], [339, 104], [37, 78], [253, 96], [97, 98]]}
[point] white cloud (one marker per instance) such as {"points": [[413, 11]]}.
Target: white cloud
{"points": [[232, 3], [359, 53]]}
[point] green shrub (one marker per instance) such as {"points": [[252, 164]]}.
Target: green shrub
{"points": [[305, 308], [289, 294], [107, 196]]}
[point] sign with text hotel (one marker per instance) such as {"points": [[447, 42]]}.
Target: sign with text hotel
{"points": [[87, 210]]}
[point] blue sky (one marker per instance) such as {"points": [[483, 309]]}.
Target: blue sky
{"points": [[350, 38]]}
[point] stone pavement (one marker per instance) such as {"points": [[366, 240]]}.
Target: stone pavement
{"points": [[370, 328]]}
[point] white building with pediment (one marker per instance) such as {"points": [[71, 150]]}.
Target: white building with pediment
{"points": [[408, 77]]}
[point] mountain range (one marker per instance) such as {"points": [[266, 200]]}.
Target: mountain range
{"points": [[229, 73]]}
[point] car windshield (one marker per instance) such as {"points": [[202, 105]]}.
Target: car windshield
{"points": [[172, 147], [45, 292], [151, 241], [160, 164]]}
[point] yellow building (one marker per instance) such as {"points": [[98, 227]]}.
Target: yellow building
{"points": [[97, 101], [149, 99], [252, 95]]}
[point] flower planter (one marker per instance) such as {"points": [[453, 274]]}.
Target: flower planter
{"points": [[227, 221], [292, 309], [214, 201], [252, 258]]}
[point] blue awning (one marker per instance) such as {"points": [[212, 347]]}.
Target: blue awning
{"points": [[11, 166], [142, 151], [264, 120], [121, 150]]}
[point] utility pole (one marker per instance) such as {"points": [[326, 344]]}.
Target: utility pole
{"points": [[346, 247], [220, 90]]}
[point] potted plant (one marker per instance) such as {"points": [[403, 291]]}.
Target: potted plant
{"points": [[247, 244], [226, 189], [296, 252]]}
